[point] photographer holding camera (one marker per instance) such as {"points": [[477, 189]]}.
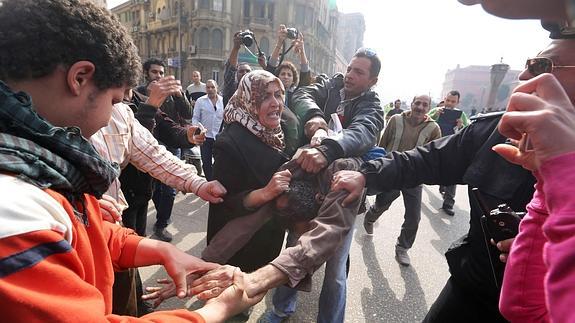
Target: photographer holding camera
{"points": [[287, 71], [234, 71]]}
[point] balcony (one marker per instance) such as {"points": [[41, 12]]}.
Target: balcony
{"points": [[160, 24], [209, 53], [210, 14], [256, 23]]}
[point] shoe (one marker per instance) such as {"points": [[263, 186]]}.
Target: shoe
{"points": [[448, 211], [162, 234], [271, 317], [402, 257], [368, 226]]}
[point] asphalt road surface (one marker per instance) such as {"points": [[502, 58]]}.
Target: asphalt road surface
{"points": [[379, 289]]}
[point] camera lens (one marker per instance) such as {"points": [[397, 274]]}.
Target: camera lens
{"points": [[292, 33], [248, 40]]}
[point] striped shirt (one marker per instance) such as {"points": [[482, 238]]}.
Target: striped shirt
{"points": [[125, 141]]}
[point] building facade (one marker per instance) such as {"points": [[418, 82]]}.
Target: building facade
{"points": [[198, 34], [473, 82]]}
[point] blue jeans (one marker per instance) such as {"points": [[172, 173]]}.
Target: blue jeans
{"points": [[333, 291], [163, 198]]}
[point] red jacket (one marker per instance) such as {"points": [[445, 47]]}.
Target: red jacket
{"points": [[44, 278]]}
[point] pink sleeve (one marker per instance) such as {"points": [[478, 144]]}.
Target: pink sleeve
{"points": [[522, 294], [559, 175]]}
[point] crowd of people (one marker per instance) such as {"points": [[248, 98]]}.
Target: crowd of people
{"points": [[84, 149]]}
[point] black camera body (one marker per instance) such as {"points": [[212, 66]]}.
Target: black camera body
{"points": [[501, 223], [247, 37], [292, 33]]}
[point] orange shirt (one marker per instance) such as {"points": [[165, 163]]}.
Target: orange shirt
{"points": [[45, 278]]}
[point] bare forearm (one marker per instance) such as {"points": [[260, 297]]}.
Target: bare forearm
{"points": [[264, 279], [152, 252], [234, 56], [256, 198]]}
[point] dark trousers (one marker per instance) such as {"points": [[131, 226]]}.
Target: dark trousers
{"points": [[411, 217], [136, 215], [448, 195], [456, 304], [206, 150], [163, 198]]}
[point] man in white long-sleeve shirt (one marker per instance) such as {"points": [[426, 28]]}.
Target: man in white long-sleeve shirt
{"points": [[209, 112]]}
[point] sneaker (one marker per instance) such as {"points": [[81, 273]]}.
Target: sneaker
{"points": [[162, 234], [448, 211], [368, 226], [402, 257]]}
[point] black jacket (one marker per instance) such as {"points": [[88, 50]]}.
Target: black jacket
{"points": [[362, 120], [463, 158], [243, 163]]}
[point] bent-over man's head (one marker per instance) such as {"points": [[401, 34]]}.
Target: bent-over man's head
{"points": [[73, 57]]}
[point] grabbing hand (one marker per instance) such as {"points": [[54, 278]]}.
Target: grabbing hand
{"points": [[312, 160], [541, 109], [318, 136], [278, 184], [161, 89], [110, 209], [212, 192], [158, 294], [351, 181]]}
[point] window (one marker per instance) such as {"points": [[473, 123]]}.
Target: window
{"points": [[216, 76], [204, 38], [217, 39], [260, 9], [271, 7], [204, 4], [299, 15], [247, 5], [218, 5]]}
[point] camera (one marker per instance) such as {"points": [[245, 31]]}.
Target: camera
{"points": [[247, 37], [292, 33], [501, 223]]}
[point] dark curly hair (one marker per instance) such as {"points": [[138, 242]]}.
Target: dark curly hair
{"points": [[293, 69], [37, 36]]}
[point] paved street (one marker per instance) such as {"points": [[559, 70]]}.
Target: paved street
{"points": [[379, 289]]}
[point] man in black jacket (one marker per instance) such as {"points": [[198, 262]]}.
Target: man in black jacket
{"points": [[347, 100], [177, 107], [472, 292]]}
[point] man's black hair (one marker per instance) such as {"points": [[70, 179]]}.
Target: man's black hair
{"points": [[152, 61], [38, 36], [375, 65], [455, 93]]}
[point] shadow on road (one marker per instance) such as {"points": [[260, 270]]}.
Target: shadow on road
{"points": [[380, 303]]}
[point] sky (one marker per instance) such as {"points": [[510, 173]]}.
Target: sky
{"points": [[420, 40]]}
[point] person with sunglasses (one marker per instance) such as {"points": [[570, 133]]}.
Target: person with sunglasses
{"points": [[471, 294], [540, 262]]}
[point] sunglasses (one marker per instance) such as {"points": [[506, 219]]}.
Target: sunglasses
{"points": [[366, 51], [540, 65]]}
